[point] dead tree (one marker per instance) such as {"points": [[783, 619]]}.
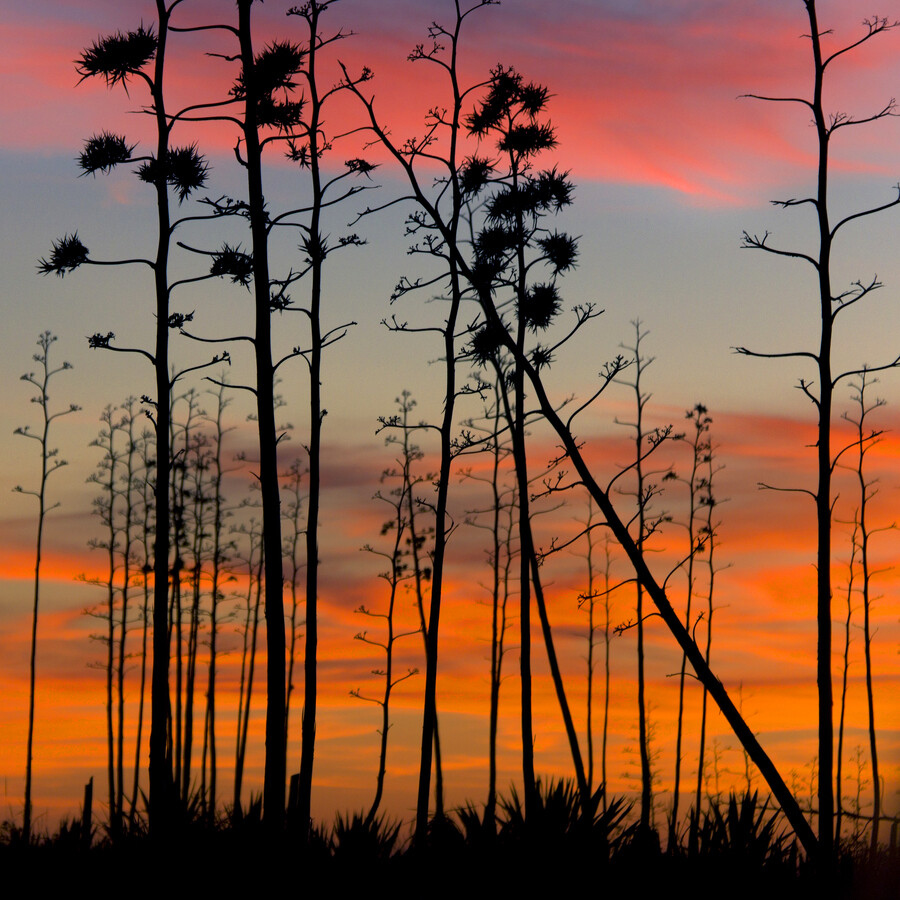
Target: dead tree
{"points": [[50, 462], [820, 389]]}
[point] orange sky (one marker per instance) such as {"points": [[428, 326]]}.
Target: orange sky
{"points": [[763, 647]]}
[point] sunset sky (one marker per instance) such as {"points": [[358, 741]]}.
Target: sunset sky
{"points": [[670, 166]]}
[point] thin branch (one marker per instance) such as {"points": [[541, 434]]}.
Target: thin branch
{"points": [[775, 99], [762, 485], [875, 26], [754, 242], [224, 357], [891, 365], [868, 212], [203, 340], [743, 351]]}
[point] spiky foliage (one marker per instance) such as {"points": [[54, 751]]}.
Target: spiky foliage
{"points": [[185, 170], [541, 357], [277, 66], [476, 831], [103, 152], [548, 191], [364, 167], [551, 190], [493, 244], [475, 174], [275, 70], [746, 833], [509, 112], [233, 263], [562, 824], [507, 89], [484, 344], [560, 250], [357, 840], [116, 57], [540, 306], [66, 255], [528, 137]]}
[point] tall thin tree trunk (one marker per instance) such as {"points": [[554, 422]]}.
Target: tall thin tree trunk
{"points": [[199, 502], [590, 599], [128, 539], [640, 437], [160, 768], [499, 596], [49, 464], [417, 541], [274, 779], [530, 572], [556, 675], [863, 533], [176, 624], [32, 667], [147, 549], [701, 424], [248, 666], [209, 731], [315, 246], [606, 670], [839, 757], [823, 450], [109, 512], [710, 503], [294, 475], [145, 622]]}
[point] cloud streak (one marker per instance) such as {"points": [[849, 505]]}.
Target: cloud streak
{"points": [[647, 99]]}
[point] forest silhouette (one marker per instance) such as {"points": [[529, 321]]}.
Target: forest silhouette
{"points": [[187, 565]]}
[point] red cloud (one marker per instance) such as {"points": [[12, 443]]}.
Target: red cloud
{"points": [[637, 99]]}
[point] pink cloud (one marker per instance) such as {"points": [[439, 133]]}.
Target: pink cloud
{"points": [[637, 99]]}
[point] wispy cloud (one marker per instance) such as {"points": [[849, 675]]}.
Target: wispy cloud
{"points": [[640, 97]]}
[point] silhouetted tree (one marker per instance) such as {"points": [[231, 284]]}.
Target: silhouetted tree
{"points": [[508, 247], [607, 594], [502, 528], [254, 564], [587, 599], [590, 599], [709, 502], [646, 441], [398, 499], [701, 447], [438, 229], [258, 85], [50, 462], [419, 544], [863, 530], [130, 531], [273, 113], [845, 676], [113, 507], [146, 493], [121, 59], [193, 531], [443, 234], [830, 306], [179, 441], [307, 147], [293, 515], [217, 575]]}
